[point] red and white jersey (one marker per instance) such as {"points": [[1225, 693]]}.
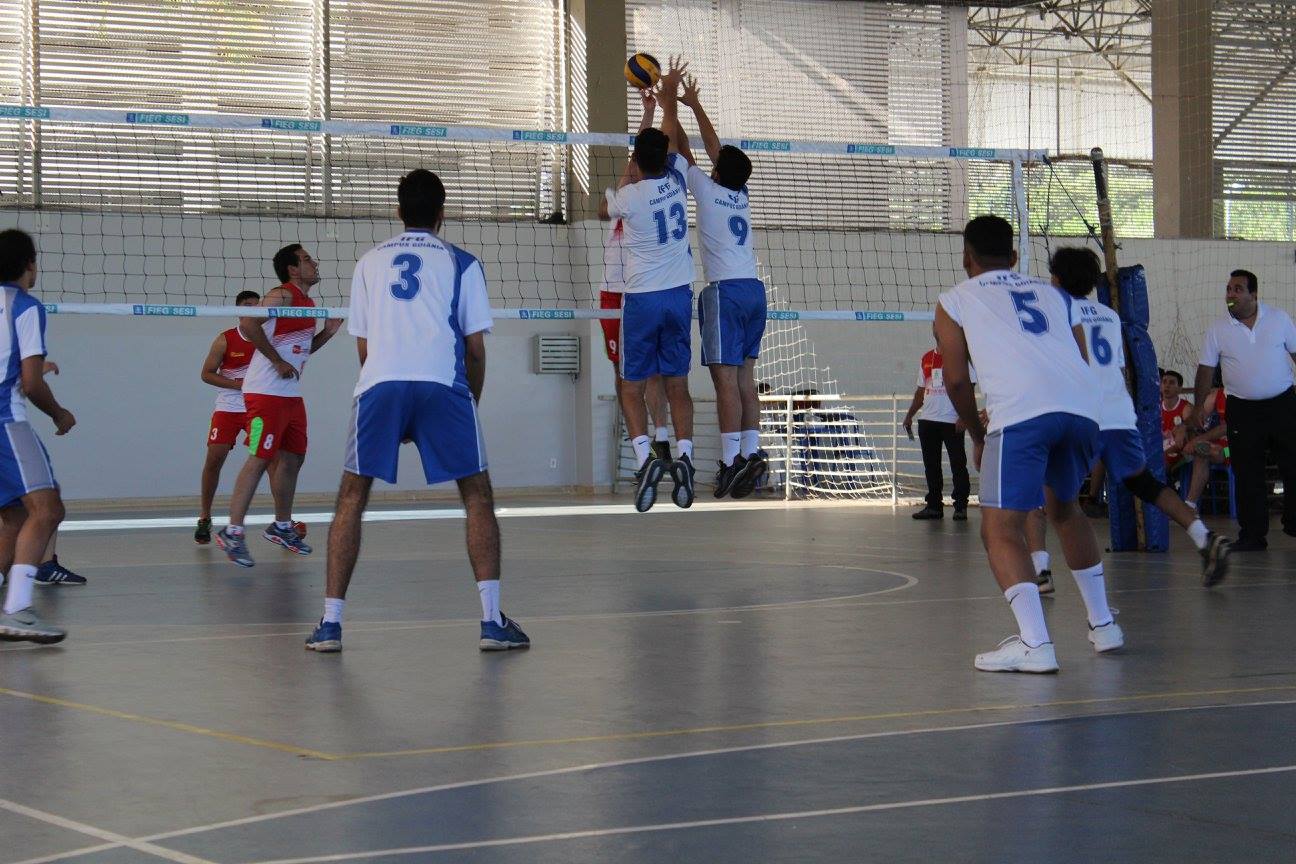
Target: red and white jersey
{"points": [[234, 364], [937, 406], [614, 258], [291, 337], [1173, 418]]}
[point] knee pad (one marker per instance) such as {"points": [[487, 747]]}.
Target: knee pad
{"points": [[1145, 486]]}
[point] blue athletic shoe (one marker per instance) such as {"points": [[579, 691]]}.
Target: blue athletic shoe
{"points": [[327, 637], [235, 548], [287, 538], [54, 573], [496, 637]]}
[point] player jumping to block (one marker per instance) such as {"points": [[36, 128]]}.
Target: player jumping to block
{"points": [[657, 320], [1076, 270], [1027, 343], [276, 412], [612, 296], [731, 308], [420, 313], [31, 507], [224, 367]]}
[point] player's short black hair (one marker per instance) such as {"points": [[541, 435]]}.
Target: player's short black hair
{"points": [[17, 252], [1077, 270], [651, 148], [732, 167], [421, 196], [990, 239], [1173, 374], [1253, 284], [285, 258], [246, 295]]}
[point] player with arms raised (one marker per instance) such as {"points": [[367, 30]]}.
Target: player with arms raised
{"points": [[224, 367], [420, 313], [276, 412], [612, 295], [1026, 341], [657, 319], [731, 308]]}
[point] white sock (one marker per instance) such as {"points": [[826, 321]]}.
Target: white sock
{"points": [[642, 447], [333, 609], [19, 595], [1024, 600], [730, 443], [686, 448], [1094, 592], [489, 591], [234, 530], [1041, 561], [283, 526], [750, 441], [1198, 532], [662, 434]]}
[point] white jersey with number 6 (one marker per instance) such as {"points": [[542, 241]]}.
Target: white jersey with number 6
{"points": [[1018, 331], [413, 299], [1107, 357], [654, 215], [724, 228]]}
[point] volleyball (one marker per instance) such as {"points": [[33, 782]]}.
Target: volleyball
{"points": [[642, 70]]}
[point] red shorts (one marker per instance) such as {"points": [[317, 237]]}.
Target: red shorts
{"points": [[275, 423], [611, 326], [225, 427]]}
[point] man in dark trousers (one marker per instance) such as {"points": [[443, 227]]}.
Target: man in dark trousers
{"points": [[1253, 345], [938, 427]]}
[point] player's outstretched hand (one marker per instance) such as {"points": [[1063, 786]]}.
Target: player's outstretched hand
{"points": [[691, 94], [286, 369], [669, 84], [648, 98], [63, 421]]}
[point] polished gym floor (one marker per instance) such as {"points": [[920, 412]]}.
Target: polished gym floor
{"points": [[772, 683]]}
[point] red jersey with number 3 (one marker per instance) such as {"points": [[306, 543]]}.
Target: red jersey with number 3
{"points": [[234, 364]]}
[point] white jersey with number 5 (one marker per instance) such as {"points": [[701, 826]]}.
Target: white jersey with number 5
{"points": [[413, 299], [1107, 357], [724, 228], [1018, 331], [654, 215]]}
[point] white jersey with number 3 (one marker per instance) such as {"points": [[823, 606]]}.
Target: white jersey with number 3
{"points": [[1018, 332], [724, 228], [1107, 357]]}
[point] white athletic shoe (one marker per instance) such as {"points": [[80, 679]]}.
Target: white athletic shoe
{"points": [[1108, 637], [1014, 655]]}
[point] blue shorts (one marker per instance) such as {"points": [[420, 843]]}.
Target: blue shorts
{"points": [[440, 420], [657, 334], [1121, 451], [1054, 450], [731, 316], [24, 463]]}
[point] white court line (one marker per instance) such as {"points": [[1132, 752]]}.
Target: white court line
{"points": [[115, 840], [627, 509], [691, 754], [782, 817]]}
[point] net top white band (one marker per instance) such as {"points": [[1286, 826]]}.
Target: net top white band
{"points": [[426, 131]]}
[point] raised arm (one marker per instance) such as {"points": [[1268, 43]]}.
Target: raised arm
{"points": [[649, 100], [667, 98], [692, 99]]}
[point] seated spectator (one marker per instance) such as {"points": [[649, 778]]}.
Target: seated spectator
{"points": [[1175, 412]]}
